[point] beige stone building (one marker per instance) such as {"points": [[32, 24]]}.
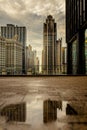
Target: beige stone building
{"points": [[13, 57], [2, 56]]}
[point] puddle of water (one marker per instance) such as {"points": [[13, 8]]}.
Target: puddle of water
{"points": [[47, 113]]}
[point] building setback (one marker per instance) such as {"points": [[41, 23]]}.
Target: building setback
{"points": [[19, 33], [76, 36], [49, 46]]}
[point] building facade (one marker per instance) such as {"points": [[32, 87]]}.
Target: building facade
{"points": [[49, 46], [59, 56], [76, 36], [13, 57], [64, 60], [2, 56], [19, 33]]}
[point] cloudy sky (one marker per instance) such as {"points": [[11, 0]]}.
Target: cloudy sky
{"points": [[32, 14]]}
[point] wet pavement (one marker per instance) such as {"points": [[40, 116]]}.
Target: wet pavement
{"points": [[43, 103]]}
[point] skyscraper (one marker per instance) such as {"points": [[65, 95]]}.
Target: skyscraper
{"points": [[76, 36], [49, 45], [19, 33]]}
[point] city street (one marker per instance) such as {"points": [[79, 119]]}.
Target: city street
{"points": [[43, 103]]}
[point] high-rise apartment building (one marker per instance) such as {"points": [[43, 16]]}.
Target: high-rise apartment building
{"points": [[76, 36], [19, 33], [49, 45]]}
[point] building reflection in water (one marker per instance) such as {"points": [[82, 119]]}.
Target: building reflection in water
{"points": [[50, 110], [60, 114], [70, 110], [76, 108], [15, 112]]}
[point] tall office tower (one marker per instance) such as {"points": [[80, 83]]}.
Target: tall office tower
{"points": [[49, 45], [2, 56], [13, 57], [19, 33], [76, 36]]}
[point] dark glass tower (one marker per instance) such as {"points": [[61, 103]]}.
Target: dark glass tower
{"points": [[76, 35]]}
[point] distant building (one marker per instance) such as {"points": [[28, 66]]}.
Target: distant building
{"points": [[17, 33], [2, 56], [29, 60], [32, 61], [37, 66], [13, 57], [59, 56], [43, 62], [64, 60], [49, 45], [76, 36]]}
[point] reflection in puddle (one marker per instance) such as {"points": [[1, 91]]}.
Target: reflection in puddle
{"points": [[40, 113], [15, 112], [50, 110]]}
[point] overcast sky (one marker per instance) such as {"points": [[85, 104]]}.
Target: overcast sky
{"points": [[32, 14]]}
